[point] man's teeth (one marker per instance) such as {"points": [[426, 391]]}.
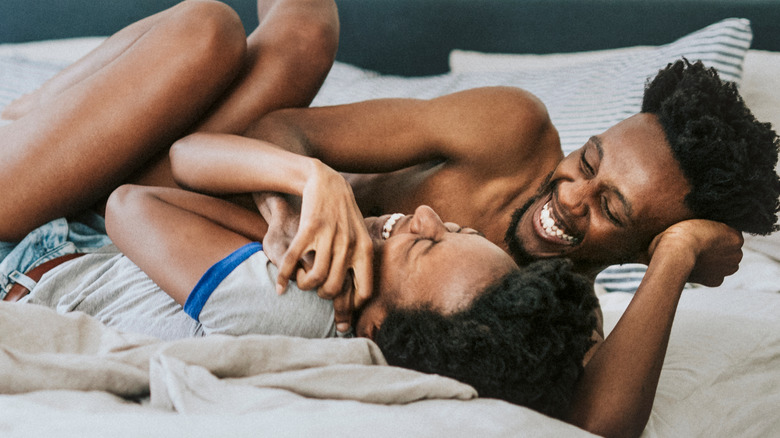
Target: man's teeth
{"points": [[548, 224]]}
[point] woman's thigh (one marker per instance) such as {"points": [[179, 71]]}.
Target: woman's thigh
{"points": [[65, 156]]}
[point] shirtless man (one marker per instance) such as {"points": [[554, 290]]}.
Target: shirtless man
{"points": [[475, 156]]}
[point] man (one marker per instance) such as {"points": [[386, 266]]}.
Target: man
{"points": [[694, 158], [491, 158]]}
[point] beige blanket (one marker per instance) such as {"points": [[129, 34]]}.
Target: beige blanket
{"points": [[86, 379]]}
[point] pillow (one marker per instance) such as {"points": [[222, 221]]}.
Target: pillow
{"points": [[25, 66], [585, 93], [588, 92]]}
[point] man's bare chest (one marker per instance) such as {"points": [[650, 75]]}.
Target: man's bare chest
{"points": [[485, 204]]}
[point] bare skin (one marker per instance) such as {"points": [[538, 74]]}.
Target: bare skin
{"points": [[207, 76], [473, 156]]}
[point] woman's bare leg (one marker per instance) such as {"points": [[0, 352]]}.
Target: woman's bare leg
{"points": [[65, 155], [288, 57], [98, 58]]}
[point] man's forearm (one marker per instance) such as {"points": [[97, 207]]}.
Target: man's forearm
{"points": [[616, 393]]}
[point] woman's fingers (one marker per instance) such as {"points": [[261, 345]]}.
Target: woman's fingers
{"points": [[343, 307], [290, 261], [363, 273]]}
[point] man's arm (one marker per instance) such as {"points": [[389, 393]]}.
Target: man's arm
{"points": [[486, 128], [615, 395]]}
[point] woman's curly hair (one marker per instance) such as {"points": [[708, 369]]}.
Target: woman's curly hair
{"points": [[523, 340], [727, 156]]}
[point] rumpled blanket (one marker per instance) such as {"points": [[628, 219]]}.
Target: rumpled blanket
{"points": [[44, 350], [69, 375]]}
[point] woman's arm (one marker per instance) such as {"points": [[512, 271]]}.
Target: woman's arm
{"points": [[175, 236], [615, 395], [331, 226]]}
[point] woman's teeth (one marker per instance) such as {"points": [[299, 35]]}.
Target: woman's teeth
{"points": [[389, 224], [549, 226]]}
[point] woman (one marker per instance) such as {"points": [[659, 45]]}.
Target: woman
{"points": [[109, 119], [200, 255]]}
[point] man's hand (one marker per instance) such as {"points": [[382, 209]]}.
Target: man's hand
{"points": [[331, 229], [713, 250]]}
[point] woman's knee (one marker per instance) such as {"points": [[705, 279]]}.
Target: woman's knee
{"points": [[121, 203], [211, 32], [305, 31], [317, 41]]}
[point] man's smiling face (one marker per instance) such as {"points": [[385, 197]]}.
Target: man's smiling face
{"points": [[606, 201]]}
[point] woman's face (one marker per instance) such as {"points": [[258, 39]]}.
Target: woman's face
{"points": [[426, 262]]}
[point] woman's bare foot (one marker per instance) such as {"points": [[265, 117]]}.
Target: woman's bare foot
{"points": [[21, 106]]}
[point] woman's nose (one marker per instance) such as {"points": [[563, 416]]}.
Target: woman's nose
{"points": [[427, 223]]}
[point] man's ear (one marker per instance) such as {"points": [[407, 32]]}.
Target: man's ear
{"points": [[371, 318]]}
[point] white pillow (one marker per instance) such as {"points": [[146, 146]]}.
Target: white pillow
{"points": [[588, 92], [19, 75], [585, 93]]}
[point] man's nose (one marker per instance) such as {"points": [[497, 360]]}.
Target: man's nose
{"points": [[573, 196]]}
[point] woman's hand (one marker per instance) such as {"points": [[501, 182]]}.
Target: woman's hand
{"points": [[283, 218], [332, 232], [712, 250]]}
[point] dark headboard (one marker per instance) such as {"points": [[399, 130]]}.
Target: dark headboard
{"points": [[414, 37]]}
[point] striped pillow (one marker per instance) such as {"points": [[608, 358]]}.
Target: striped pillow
{"points": [[585, 93]]}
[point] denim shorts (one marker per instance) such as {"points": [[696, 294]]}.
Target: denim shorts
{"points": [[83, 234]]}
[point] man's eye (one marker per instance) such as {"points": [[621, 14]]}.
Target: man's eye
{"points": [[587, 169], [609, 214]]}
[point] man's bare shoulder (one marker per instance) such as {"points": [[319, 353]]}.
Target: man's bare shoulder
{"points": [[502, 125], [500, 99]]}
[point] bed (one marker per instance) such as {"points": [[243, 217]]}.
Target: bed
{"points": [[67, 375]]}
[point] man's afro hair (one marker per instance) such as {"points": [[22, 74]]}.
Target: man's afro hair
{"points": [[727, 156]]}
